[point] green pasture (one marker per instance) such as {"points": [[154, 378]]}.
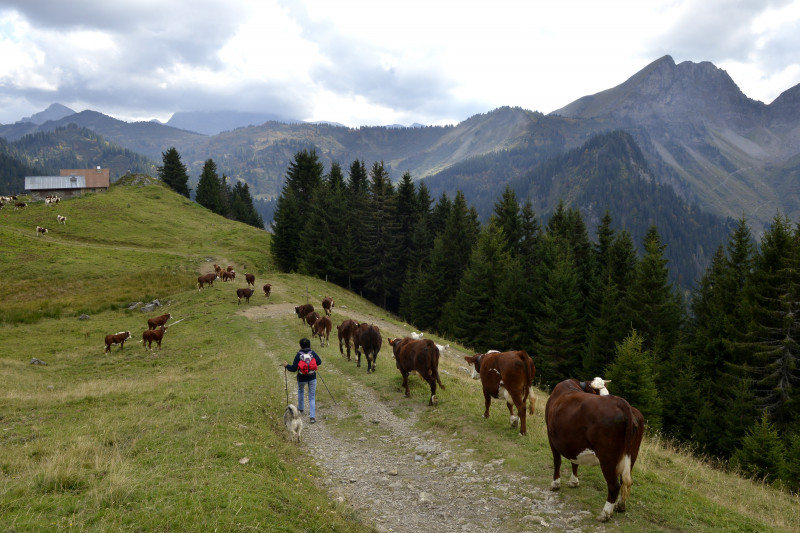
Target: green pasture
{"points": [[190, 438]]}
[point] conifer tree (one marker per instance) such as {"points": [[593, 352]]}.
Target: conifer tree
{"points": [[762, 452], [241, 205], [287, 227], [173, 172], [209, 188], [382, 245], [632, 375], [507, 212]]}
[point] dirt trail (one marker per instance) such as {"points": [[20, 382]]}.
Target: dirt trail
{"points": [[402, 480]]}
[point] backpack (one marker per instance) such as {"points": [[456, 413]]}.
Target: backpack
{"points": [[307, 363]]}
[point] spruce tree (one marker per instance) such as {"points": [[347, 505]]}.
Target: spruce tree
{"points": [[382, 243], [633, 375], [173, 172], [209, 188], [241, 205], [762, 452], [507, 212]]}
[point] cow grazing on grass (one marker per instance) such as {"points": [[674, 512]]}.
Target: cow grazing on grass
{"points": [[369, 340], [150, 335], [322, 328], [303, 310], [227, 276], [327, 305], [206, 279], [153, 323], [508, 375], [250, 279], [589, 428], [244, 293], [40, 230], [420, 356], [61, 219], [311, 319], [346, 332], [20, 205], [267, 289], [117, 338]]}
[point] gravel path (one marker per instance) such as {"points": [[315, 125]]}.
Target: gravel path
{"points": [[401, 480]]}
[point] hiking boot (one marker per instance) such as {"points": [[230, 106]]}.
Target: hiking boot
{"points": [[313, 420]]}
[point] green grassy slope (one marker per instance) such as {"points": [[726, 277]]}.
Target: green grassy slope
{"points": [[190, 438]]}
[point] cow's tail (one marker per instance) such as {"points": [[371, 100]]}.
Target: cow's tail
{"points": [[435, 369], [624, 469], [526, 393]]}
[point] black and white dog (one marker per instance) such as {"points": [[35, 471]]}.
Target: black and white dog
{"points": [[293, 422]]}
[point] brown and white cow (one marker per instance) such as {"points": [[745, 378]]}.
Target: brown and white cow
{"points": [[150, 335], [322, 328], [367, 338], [117, 338], [421, 356], [327, 305], [267, 289], [346, 331], [303, 310], [593, 429], [250, 279], [244, 293], [510, 375], [206, 279], [311, 319], [153, 323], [40, 230]]}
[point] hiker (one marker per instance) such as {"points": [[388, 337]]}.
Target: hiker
{"points": [[305, 364]]}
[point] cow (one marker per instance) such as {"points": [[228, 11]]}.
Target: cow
{"points": [[327, 305], [207, 278], [20, 205], [117, 338], [227, 276], [419, 356], [40, 230], [368, 338], [217, 269], [508, 375], [416, 336], [346, 332], [591, 428], [322, 328], [244, 293], [250, 279], [153, 323], [150, 335], [303, 310], [267, 289], [311, 319], [61, 219], [230, 268]]}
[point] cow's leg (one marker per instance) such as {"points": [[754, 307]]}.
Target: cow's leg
{"points": [[609, 469], [405, 383], [574, 482], [488, 402], [432, 382], [556, 484], [348, 350]]}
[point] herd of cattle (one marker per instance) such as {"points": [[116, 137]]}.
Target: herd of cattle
{"points": [[18, 204], [584, 423]]}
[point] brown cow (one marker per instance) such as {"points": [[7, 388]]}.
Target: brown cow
{"points": [[117, 338], [322, 327], [510, 375], [227, 276], [150, 335], [267, 289], [251, 279], [244, 293], [153, 323], [311, 319], [368, 338], [207, 278], [230, 268], [590, 429], [303, 310], [346, 332], [421, 356], [217, 269], [327, 305]]}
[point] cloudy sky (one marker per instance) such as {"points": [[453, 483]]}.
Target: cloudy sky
{"points": [[372, 63]]}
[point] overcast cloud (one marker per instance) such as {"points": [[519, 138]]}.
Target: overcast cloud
{"points": [[372, 63]]}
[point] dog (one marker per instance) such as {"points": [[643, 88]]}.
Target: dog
{"points": [[293, 422]]}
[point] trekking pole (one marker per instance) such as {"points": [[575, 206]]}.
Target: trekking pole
{"points": [[326, 387], [286, 379]]}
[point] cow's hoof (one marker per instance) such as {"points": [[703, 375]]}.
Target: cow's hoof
{"points": [[523, 433], [556, 484], [485, 415]]}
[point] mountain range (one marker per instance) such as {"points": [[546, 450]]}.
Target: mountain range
{"points": [[687, 129]]}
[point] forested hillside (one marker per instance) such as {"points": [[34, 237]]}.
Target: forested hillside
{"points": [[12, 168], [580, 304]]}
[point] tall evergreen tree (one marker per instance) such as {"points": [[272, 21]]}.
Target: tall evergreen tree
{"points": [[173, 172], [507, 212], [209, 188], [382, 245], [633, 374], [287, 227], [241, 205]]}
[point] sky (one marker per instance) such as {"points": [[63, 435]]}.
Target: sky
{"points": [[383, 62]]}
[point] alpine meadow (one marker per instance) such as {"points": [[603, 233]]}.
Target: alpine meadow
{"points": [[190, 437]]}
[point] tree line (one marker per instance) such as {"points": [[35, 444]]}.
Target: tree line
{"points": [[719, 371], [213, 192]]}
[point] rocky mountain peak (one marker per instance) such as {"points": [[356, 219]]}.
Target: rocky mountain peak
{"points": [[53, 112]]}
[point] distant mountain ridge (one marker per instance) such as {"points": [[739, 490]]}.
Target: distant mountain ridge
{"points": [[53, 112]]}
